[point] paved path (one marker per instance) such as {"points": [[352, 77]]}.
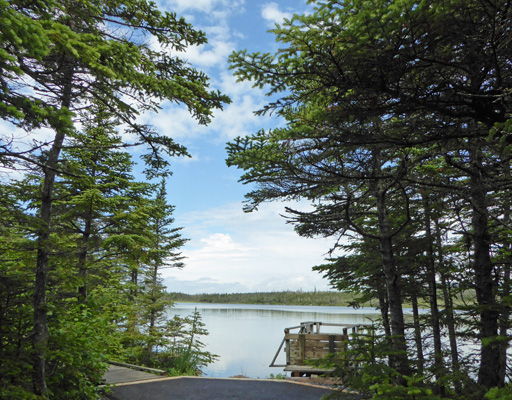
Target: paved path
{"points": [[200, 388]]}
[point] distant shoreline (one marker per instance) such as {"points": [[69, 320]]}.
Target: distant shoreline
{"points": [[301, 298], [298, 298]]}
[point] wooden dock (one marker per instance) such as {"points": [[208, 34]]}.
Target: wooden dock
{"points": [[308, 344]]}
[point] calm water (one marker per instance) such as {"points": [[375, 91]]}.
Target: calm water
{"points": [[246, 337]]}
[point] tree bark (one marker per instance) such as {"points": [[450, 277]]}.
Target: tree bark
{"points": [[504, 322], [41, 333], [417, 334], [488, 374], [84, 251], [432, 287], [504, 325], [448, 306], [398, 359], [82, 260], [384, 310]]}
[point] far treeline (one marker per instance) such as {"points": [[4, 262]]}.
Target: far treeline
{"points": [[299, 298], [302, 298], [397, 129]]}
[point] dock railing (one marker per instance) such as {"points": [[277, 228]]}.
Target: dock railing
{"points": [[308, 343]]}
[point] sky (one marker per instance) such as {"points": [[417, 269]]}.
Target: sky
{"points": [[229, 250]]}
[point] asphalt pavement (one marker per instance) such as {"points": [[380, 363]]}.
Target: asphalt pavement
{"points": [[201, 388]]}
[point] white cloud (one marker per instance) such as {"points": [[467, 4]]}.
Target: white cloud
{"points": [[236, 119], [215, 7], [215, 53], [252, 251], [26, 143], [203, 285], [273, 15], [220, 245], [186, 5]]}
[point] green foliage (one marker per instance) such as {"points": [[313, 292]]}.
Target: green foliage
{"points": [[80, 343], [362, 366], [187, 354], [277, 376], [504, 393], [181, 362], [106, 227], [77, 250], [175, 347], [388, 136], [413, 389]]}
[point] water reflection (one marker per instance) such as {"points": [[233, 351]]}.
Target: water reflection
{"points": [[246, 337]]}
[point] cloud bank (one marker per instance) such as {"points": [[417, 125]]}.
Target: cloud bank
{"points": [[231, 251]]}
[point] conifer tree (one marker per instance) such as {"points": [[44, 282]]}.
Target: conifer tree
{"points": [[411, 82], [58, 58]]}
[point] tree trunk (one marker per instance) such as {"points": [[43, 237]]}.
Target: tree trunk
{"points": [[384, 310], [448, 306], [417, 334], [398, 359], [84, 252], [432, 287], [488, 374], [41, 334], [504, 324], [82, 258]]}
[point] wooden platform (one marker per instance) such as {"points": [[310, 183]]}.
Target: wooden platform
{"points": [[299, 370], [310, 344], [302, 347], [119, 374]]}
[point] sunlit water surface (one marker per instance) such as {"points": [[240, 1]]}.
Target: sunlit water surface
{"points": [[246, 337]]}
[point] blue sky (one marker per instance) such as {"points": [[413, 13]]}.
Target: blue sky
{"points": [[230, 251]]}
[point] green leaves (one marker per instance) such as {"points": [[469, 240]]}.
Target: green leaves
{"points": [[388, 103]]}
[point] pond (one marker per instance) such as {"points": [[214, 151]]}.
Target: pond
{"points": [[247, 336]]}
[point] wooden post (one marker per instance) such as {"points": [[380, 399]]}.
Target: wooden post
{"points": [[287, 350], [302, 347]]}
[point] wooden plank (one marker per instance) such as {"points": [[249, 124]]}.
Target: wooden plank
{"points": [[277, 354], [324, 345], [313, 345], [308, 369], [116, 374], [137, 367], [302, 347], [315, 336], [311, 355]]}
